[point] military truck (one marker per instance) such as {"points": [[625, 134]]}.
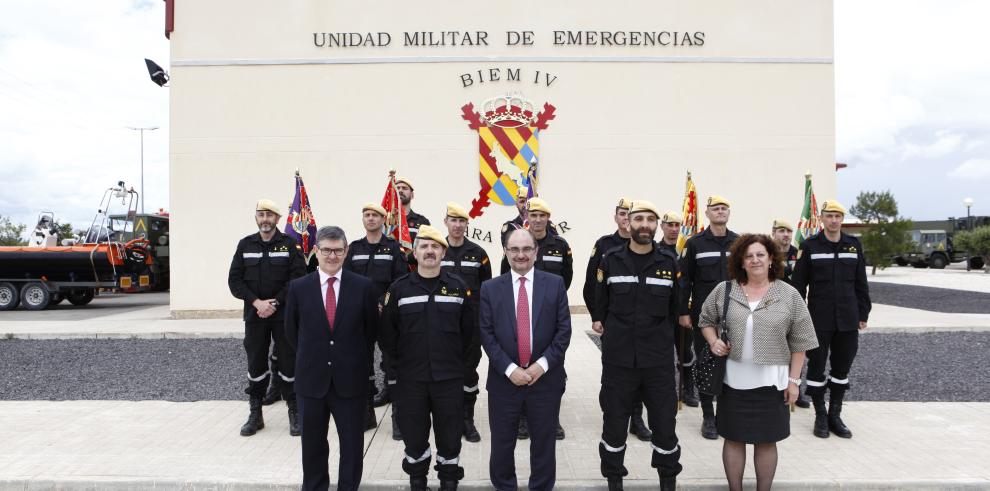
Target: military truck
{"points": [[154, 228], [933, 246]]}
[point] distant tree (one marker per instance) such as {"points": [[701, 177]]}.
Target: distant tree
{"points": [[11, 234], [888, 234], [977, 243], [64, 231]]}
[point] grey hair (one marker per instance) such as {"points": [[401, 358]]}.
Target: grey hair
{"points": [[528, 232], [330, 232]]}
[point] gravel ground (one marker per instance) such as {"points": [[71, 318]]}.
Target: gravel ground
{"points": [[890, 367], [929, 298], [917, 367]]}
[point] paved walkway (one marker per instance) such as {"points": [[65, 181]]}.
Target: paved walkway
{"points": [[132, 445]]}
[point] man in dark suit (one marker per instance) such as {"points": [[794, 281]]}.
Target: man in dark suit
{"points": [[334, 351], [525, 330]]}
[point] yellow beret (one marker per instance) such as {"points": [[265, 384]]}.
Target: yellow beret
{"points": [[269, 205], [374, 207], [406, 181], [537, 204], [428, 232], [717, 200], [833, 205], [457, 211], [624, 203], [672, 217], [641, 206], [522, 192], [778, 223]]}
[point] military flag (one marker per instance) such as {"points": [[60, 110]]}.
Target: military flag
{"points": [[300, 223], [395, 220], [809, 224], [531, 179], [689, 211]]}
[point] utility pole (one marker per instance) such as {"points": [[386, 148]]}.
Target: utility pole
{"points": [[142, 129]]}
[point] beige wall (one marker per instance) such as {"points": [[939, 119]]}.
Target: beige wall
{"points": [[252, 100]]}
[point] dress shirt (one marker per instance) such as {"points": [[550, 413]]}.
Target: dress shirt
{"points": [[515, 301], [336, 285]]}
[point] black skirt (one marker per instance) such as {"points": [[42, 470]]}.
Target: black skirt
{"points": [[753, 416]]}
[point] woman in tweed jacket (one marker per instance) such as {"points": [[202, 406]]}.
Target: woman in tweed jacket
{"points": [[769, 329]]}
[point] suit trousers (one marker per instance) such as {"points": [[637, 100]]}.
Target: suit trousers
{"points": [[541, 406], [621, 387], [348, 416], [443, 403], [258, 337], [839, 349]]}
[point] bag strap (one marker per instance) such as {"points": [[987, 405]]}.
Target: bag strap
{"points": [[725, 307]]}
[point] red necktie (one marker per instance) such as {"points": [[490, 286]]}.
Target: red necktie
{"points": [[522, 323], [331, 302]]}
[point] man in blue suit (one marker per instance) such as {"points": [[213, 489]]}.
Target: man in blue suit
{"points": [[525, 330], [333, 354]]}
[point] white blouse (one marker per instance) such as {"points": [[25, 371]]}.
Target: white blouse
{"points": [[746, 374]]}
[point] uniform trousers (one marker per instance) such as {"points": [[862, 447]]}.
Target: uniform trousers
{"points": [[443, 402], [839, 349], [621, 387], [258, 336], [471, 379]]}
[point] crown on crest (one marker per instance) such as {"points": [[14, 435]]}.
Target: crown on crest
{"points": [[510, 110]]}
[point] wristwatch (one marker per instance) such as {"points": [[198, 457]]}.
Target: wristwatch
{"points": [[795, 381]]}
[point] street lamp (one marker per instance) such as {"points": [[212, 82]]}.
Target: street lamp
{"points": [[968, 202], [142, 129]]}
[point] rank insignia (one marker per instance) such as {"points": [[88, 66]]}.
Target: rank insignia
{"points": [[601, 275], [443, 290], [387, 295]]}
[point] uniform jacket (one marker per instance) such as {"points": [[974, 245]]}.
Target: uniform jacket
{"points": [[415, 220], [428, 334], [262, 269], [383, 262], [554, 256], [781, 323], [604, 244], [637, 308], [790, 259], [704, 264], [340, 359], [832, 276], [470, 263]]}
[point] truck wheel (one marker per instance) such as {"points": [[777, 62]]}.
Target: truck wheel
{"points": [[938, 261], [900, 261], [81, 296], [974, 263], [56, 299], [8, 296], [35, 296]]}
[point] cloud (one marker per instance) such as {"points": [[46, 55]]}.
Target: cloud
{"points": [[972, 169]]}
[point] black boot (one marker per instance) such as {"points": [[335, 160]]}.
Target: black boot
{"points": [[835, 423], [523, 432], [418, 484], [821, 416], [293, 416], [560, 432], [615, 484], [274, 393], [668, 483], [709, 429], [803, 401], [370, 420], [470, 430], [382, 398], [637, 426], [256, 420], [690, 396], [396, 434], [448, 485]]}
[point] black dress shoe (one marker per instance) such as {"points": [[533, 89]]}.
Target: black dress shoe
{"points": [[523, 432], [560, 432], [709, 429]]}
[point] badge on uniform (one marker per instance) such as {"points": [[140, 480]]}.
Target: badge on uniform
{"points": [[800, 251], [601, 275], [387, 294], [593, 251], [468, 292], [852, 248]]}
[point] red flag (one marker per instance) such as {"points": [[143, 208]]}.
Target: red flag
{"points": [[395, 220]]}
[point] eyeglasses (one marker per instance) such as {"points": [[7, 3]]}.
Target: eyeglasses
{"points": [[761, 256], [326, 251], [515, 251]]}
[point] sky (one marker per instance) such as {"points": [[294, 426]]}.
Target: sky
{"points": [[912, 83]]}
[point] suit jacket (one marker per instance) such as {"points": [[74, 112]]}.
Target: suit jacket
{"points": [[551, 320], [343, 358]]}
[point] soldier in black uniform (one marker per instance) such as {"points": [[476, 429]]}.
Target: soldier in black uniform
{"points": [[704, 264], [379, 258], [831, 271], [520, 220], [783, 233], [605, 243], [260, 272], [555, 257], [637, 302], [670, 225], [406, 194], [469, 261], [428, 313]]}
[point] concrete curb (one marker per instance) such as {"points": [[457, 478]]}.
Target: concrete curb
{"points": [[137, 483]]}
